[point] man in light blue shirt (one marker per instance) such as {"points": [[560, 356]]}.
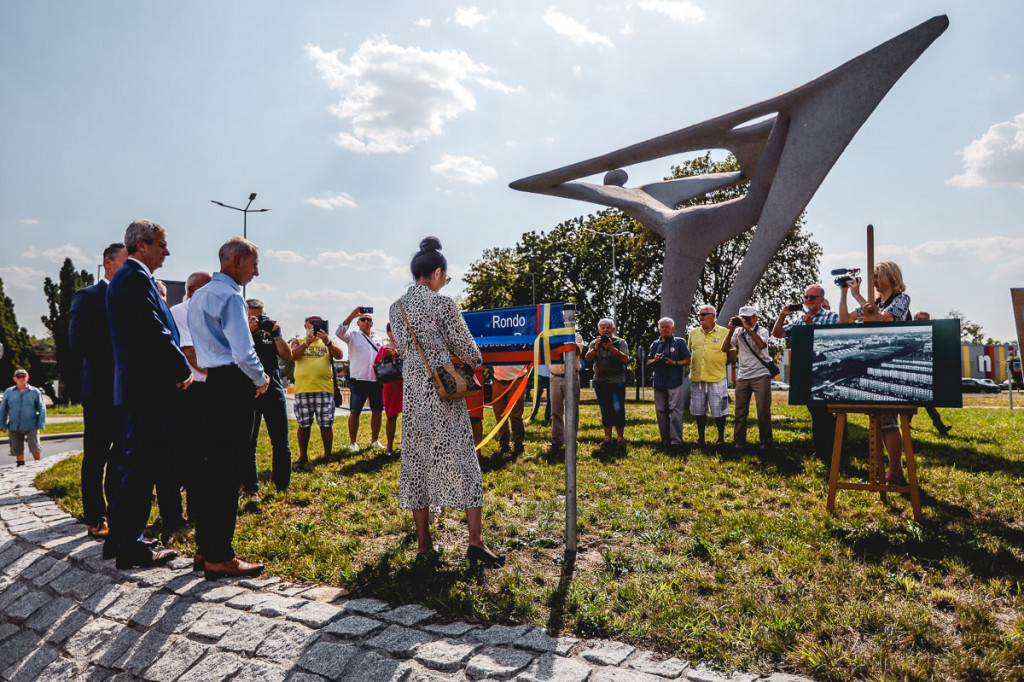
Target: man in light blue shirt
{"points": [[219, 322]]}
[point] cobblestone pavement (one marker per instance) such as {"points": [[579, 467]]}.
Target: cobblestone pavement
{"points": [[67, 614]]}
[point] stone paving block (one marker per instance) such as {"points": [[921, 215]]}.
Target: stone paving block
{"points": [[180, 617], [17, 649], [38, 567], [93, 635], [159, 576], [315, 614], [672, 668], [704, 674], [12, 594], [8, 629], [302, 676], [445, 654], [552, 668], [26, 605], [70, 545], [86, 587], [285, 643], [184, 582], [786, 677], [499, 635], [155, 608], [277, 606], [55, 571], [353, 627], [111, 651], [246, 635], [324, 593], [67, 580], [456, 629], [259, 671], [366, 606], [175, 660], [216, 667], [11, 553], [247, 600], [424, 676], [496, 663], [623, 675], [399, 641], [23, 562], [222, 593], [215, 623], [374, 667], [289, 589], [60, 670], [30, 669], [96, 674], [328, 659], [67, 626], [127, 604], [538, 639], [259, 583], [143, 653], [102, 599], [606, 652], [409, 615]]}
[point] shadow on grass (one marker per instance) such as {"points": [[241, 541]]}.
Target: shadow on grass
{"points": [[610, 452], [556, 620], [364, 465]]}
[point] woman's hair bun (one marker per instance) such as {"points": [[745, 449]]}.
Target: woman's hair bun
{"points": [[430, 244]]}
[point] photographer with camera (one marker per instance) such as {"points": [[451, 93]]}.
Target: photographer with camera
{"points": [[754, 372], [709, 390], [363, 384], [271, 406], [314, 384], [668, 356], [609, 355], [812, 311]]}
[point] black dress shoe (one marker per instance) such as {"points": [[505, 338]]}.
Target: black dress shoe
{"points": [[479, 555], [144, 558]]}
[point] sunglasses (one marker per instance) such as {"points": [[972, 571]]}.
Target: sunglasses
{"points": [[366, 319], [704, 314], [808, 297]]}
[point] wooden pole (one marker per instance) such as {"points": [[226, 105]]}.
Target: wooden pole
{"points": [[870, 310]]}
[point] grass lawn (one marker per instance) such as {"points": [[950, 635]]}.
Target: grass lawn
{"points": [[63, 427], [722, 556]]}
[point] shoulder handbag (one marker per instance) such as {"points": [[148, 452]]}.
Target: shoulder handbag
{"points": [[388, 369], [772, 368], [339, 398], [453, 381]]}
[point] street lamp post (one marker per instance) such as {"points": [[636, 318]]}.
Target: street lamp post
{"points": [[245, 215], [533, 282], [615, 274]]}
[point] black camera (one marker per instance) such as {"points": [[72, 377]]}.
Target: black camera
{"points": [[845, 276], [736, 321], [606, 339], [364, 309], [319, 326], [265, 324]]}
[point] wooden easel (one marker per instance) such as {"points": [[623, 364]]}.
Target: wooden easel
{"points": [[877, 459]]}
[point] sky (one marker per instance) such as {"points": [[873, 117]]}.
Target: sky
{"points": [[365, 126]]}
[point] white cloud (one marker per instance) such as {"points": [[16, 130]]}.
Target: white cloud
{"points": [[464, 168], [422, 23], [368, 260], [395, 97], [261, 287], [998, 257], [29, 221], [470, 17], [499, 86], [286, 256], [575, 31], [58, 254], [339, 200], [577, 69], [677, 10], [996, 158], [23, 277], [626, 30], [332, 304]]}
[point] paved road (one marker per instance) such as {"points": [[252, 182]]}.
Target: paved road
{"points": [[68, 614]]}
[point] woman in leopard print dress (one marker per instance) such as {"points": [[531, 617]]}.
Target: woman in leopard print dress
{"points": [[439, 461]]}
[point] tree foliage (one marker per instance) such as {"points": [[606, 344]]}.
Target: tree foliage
{"points": [[17, 345], [970, 332], [58, 298], [573, 265]]}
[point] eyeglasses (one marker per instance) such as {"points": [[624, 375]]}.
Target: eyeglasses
{"points": [[704, 314], [366, 319], [447, 279], [810, 297]]}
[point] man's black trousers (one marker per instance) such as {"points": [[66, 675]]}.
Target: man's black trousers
{"points": [[102, 436], [272, 407]]}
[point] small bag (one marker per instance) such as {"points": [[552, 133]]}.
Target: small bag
{"points": [[388, 369], [772, 368], [339, 397], [457, 380]]}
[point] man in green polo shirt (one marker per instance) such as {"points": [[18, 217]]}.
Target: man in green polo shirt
{"points": [[708, 388]]}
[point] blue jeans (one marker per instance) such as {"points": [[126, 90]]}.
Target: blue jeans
{"points": [[611, 397]]}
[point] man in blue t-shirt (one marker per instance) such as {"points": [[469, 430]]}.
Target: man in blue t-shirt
{"points": [[668, 355]]}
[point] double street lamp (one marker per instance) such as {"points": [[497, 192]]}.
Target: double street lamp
{"points": [[245, 215], [615, 273]]}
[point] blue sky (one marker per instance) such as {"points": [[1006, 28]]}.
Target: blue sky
{"points": [[366, 126]]}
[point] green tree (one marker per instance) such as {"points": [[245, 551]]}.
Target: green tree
{"points": [[574, 266], [970, 332], [58, 298], [17, 347]]}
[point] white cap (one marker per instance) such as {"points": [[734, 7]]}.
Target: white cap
{"points": [[748, 311]]}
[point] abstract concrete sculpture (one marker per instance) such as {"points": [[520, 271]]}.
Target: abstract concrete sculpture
{"points": [[785, 158]]}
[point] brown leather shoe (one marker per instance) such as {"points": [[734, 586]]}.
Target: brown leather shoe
{"points": [[234, 568], [100, 530], [197, 562]]}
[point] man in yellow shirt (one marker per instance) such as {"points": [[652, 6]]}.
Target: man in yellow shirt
{"points": [[708, 388], [314, 384]]}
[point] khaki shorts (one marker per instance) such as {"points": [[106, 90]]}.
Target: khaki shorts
{"points": [[18, 439]]}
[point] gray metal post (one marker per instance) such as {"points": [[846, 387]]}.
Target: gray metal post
{"points": [[1009, 376], [572, 421]]}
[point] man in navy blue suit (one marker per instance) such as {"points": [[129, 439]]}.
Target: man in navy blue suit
{"points": [[149, 368], [89, 336]]}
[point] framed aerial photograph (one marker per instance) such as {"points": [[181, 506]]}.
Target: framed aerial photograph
{"points": [[877, 363]]}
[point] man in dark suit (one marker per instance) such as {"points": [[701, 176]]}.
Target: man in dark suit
{"points": [[89, 337], [149, 368]]}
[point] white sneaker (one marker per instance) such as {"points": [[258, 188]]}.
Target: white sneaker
{"points": [[377, 444], [354, 447]]}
